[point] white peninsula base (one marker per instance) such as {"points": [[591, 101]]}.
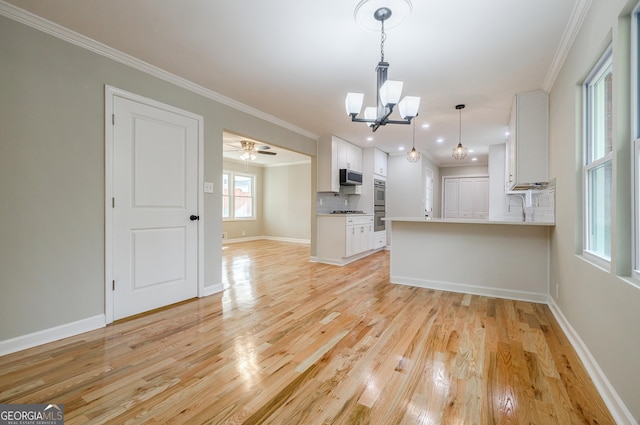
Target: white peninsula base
{"points": [[497, 259]]}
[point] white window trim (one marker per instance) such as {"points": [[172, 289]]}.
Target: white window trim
{"points": [[597, 71], [635, 175], [232, 197], [635, 131]]}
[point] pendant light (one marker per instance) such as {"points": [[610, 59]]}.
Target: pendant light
{"points": [[460, 152], [413, 155]]}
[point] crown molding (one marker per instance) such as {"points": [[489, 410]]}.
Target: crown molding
{"points": [[20, 15], [578, 14]]}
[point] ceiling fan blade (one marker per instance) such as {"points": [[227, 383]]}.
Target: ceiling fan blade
{"points": [[266, 152]]}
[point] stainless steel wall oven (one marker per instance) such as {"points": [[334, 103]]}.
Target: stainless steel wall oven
{"points": [[379, 204]]}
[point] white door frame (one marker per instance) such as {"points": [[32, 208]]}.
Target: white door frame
{"points": [[110, 93]]}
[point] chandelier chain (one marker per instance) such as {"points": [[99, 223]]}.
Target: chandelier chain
{"points": [[414, 134], [460, 126], [383, 37]]}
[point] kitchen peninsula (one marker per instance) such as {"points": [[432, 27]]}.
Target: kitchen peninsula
{"points": [[506, 259]]}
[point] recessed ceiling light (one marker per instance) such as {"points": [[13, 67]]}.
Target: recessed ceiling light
{"points": [[369, 139], [474, 159], [440, 140], [401, 148], [425, 125], [471, 151], [507, 133]]}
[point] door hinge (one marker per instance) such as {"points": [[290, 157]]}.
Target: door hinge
{"points": [[113, 285], [113, 202], [113, 119]]}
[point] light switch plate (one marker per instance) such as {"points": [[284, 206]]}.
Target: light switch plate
{"points": [[208, 187]]}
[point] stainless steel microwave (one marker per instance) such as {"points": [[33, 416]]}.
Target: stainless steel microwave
{"points": [[350, 177]]}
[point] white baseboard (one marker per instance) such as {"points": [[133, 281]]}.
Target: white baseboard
{"points": [[344, 261], [270, 238], [618, 410], [276, 238], [23, 342], [472, 289], [213, 289]]}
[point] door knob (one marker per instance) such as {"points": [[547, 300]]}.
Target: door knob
{"points": [[194, 217]]}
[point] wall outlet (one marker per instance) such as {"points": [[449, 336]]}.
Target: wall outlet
{"points": [[224, 235], [208, 187], [243, 233]]}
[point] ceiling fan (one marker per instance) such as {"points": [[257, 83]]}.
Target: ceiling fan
{"points": [[249, 150]]}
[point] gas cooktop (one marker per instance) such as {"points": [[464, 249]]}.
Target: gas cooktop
{"points": [[347, 212]]}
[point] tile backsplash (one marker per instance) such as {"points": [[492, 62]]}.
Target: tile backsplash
{"points": [[327, 202], [540, 204]]}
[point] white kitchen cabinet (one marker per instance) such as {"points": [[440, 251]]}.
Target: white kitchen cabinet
{"points": [[359, 235], [349, 156], [344, 238], [450, 198], [481, 198], [334, 154], [379, 162], [379, 239], [466, 197], [527, 157]]}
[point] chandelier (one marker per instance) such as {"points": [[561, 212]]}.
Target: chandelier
{"points": [[388, 91], [460, 152]]}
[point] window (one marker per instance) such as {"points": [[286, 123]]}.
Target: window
{"points": [[636, 188], [635, 131], [237, 196], [597, 170]]}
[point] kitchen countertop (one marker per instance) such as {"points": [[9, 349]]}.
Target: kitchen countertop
{"points": [[343, 215], [469, 221]]}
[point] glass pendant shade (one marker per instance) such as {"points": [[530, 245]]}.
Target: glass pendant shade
{"points": [[459, 152], [370, 113], [409, 107], [353, 103], [248, 156], [390, 92], [413, 155]]}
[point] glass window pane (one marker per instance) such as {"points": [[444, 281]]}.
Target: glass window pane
{"points": [[243, 208], [243, 196], [601, 95], [599, 210]]}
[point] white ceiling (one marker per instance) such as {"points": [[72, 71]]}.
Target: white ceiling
{"points": [[296, 60]]}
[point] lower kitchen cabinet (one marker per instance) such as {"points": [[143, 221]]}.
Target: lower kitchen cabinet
{"points": [[359, 235], [344, 238], [379, 239]]}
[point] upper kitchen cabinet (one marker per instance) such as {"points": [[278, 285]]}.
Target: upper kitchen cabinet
{"points": [[379, 162], [334, 154], [349, 156], [527, 157]]}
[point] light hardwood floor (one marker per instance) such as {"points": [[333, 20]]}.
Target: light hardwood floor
{"points": [[294, 342]]}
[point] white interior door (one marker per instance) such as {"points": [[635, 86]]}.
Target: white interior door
{"points": [[155, 191]]}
